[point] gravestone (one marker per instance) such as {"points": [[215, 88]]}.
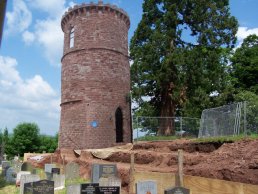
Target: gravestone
{"points": [[109, 190], [26, 166], [11, 175], [18, 178], [89, 188], [43, 187], [177, 190], [5, 166], [48, 167], [48, 170], [143, 187], [72, 171], [39, 187], [27, 178], [73, 189], [102, 170], [110, 181], [16, 165], [59, 181]]}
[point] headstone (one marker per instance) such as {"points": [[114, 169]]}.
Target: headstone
{"points": [[73, 189], [28, 188], [43, 187], [59, 181], [27, 178], [26, 166], [48, 170], [89, 188], [11, 175], [109, 190], [143, 187], [55, 171], [18, 178], [177, 190], [48, 167], [17, 165], [5, 166], [110, 182], [72, 171], [102, 170]]}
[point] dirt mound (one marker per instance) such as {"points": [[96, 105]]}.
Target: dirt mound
{"points": [[227, 161]]}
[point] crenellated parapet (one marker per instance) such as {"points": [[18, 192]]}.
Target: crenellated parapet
{"points": [[85, 9]]}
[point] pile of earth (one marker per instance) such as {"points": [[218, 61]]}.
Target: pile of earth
{"points": [[232, 161]]}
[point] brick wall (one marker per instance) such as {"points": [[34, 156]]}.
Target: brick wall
{"points": [[95, 76]]}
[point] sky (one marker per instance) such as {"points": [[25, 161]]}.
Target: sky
{"points": [[32, 46]]}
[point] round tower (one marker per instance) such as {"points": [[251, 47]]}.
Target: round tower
{"points": [[95, 100]]}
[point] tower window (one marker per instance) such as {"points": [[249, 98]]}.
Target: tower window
{"points": [[72, 37]]}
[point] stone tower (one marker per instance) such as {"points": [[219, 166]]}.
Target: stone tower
{"points": [[95, 103]]}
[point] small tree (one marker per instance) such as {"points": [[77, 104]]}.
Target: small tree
{"points": [[25, 138]]}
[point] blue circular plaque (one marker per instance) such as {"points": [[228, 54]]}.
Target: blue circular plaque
{"points": [[94, 124]]}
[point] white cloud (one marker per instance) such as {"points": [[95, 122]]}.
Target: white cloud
{"points": [[19, 19], [52, 7], [48, 34], [28, 37], [26, 100], [243, 32]]}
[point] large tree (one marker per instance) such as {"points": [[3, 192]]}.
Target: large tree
{"points": [[245, 65], [177, 53]]}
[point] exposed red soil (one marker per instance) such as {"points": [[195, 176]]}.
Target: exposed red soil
{"points": [[236, 161]]}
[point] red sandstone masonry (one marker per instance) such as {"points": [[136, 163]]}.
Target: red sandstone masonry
{"points": [[95, 76]]}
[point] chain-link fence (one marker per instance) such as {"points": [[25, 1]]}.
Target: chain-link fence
{"points": [[233, 119], [174, 126]]}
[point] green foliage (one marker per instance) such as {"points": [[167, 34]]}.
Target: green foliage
{"points": [[26, 138], [178, 59], [47, 144], [245, 65]]}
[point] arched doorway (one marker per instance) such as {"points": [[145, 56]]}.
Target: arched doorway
{"points": [[119, 125]]}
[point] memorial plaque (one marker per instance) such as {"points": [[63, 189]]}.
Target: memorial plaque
{"points": [[43, 187], [177, 190], [55, 170], [89, 188], [109, 190], [72, 171], [107, 170], [73, 189], [143, 187]]}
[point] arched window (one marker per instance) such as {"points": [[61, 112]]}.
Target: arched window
{"points": [[72, 37], [119, 125]]}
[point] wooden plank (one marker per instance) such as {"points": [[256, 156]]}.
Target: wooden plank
{"points": [[200, 185], [180, 168]]}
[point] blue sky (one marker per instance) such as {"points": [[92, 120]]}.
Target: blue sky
{"points": [[30, 69]]}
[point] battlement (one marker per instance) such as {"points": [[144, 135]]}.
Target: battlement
{"points": [[83, 9]]}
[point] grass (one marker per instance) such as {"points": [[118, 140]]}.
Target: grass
{"points": [[208, 139]]}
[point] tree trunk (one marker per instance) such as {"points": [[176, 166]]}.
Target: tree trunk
{"points": [[167, 125]]}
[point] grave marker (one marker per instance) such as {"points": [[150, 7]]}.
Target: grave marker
{"points": [[39, 187], [143, 187], [27, 178], [18, 177], [177, 190], [73, 189], [5, 166], [109, 190], [59, 181], [102, 170], [72, 170], [11, 175], [89, 188], [55, 170], [26, 166]]}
